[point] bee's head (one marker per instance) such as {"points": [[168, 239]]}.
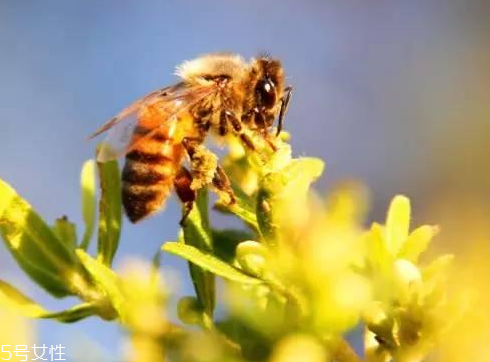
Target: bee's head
{"points": [[269, 87], [269, 96]]}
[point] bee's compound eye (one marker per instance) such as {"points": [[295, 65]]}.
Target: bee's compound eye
{"points": [[267, 93]]}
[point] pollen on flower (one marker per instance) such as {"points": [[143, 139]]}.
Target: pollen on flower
{"points": [[407, 272]]}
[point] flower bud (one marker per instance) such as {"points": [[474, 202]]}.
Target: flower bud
{"points": [[190, 311], [252, 257]]}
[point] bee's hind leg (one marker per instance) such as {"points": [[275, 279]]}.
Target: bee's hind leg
{"points": [[207, 171], [186, 194], [203, 162]]}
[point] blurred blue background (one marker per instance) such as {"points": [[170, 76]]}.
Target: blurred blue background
{"points": [[394, 93]]}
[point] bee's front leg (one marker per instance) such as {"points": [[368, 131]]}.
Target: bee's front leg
{"points": [[245, 138], [236, 125], [286, 98]]}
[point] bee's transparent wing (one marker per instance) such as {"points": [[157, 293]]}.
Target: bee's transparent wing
{"points": [[168, 103]]}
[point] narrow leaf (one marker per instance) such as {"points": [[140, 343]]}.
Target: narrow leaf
{"points": [[87, 182], [397, 223], [377, 254], [37, 250], [74, 314], [106, 279], [196, 229], [226, 241], [66, 232], [198, 234], [156, 261], [209, 262], [244, 208], [110, 212], [155, 266], [13, 299], [417, 242]]}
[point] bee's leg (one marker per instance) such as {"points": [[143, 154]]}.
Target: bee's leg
{"points": [[206, 170], [237, 127], [190, 144], [270, 141], [247, 141], [263, 127], [221, 183], [186, 194], [223, 124], [284, 107], [203, 162]]}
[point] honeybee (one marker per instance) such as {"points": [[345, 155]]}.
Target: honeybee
{"points": [[218, 93]]}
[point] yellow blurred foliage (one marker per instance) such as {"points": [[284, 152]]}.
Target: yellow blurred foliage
{"points": [[145, 302], [468, 234], [299, 348], [15, 330]]}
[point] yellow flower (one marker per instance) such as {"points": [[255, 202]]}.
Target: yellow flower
{"points": [[410, 299]]}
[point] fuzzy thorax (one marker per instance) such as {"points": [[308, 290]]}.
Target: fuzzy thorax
{"points": [[203, 69]]}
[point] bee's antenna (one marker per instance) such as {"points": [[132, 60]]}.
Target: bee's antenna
{"points": [[284, 107]]}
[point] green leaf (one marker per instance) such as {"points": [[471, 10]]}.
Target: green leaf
{"points": [[74, 314], [282, 188], [196, 228], [198, 234], [89, 199], [254, 341], [107, 281], [226, 241], [156, 261], [13, 299], [189, 311], [417, 242], [244, 208], [210, 263], [155, 266], [66, 232], [50, 262], [110, 212]]}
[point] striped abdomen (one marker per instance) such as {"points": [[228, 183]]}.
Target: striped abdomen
{"points": [[150, 168]]}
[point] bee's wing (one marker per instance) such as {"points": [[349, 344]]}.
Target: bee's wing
{"points": [[169, 102]]}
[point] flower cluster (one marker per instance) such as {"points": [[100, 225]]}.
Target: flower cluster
{"points": [[301, 274]]}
